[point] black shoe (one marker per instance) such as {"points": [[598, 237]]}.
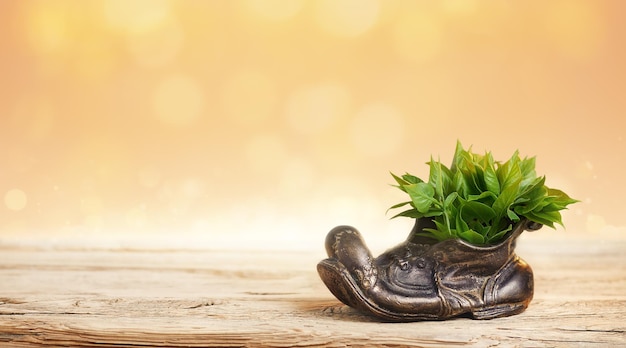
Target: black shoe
{"points": [[422, 279]]}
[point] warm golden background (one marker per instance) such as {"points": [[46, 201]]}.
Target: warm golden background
{"points": [[271, 121]]}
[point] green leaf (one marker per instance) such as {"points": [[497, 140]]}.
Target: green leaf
{"points": [[411, 179], [513, 178], [443, 228], [478, 211], [506, 198], [533, 189], [433, 212], [479, 227], [509, 173], [482, 197], [460, 224], [497, 237], [512, 216], [395, 206], [520, 200], [545, 218], [536, 198], [458, 156], [421, 195], [472, 237], [562, 199], [450, 199], [399, 205], [441, 177], [527, 168], [411, 213], [434, 233], [491, 178], [459, 184], [399, 180]]}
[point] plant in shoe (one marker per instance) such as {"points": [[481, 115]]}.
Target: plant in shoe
{"points": [[478, 199], [459, 258]]}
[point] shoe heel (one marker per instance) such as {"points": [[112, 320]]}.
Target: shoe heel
{"points": [[497, 311]]}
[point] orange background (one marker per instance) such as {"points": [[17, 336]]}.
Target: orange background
{"points": [[268, 122]]}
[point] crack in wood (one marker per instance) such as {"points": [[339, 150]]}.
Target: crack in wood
{"points": [[618, 331], [7, 300], [269, 293], [204, 304]]}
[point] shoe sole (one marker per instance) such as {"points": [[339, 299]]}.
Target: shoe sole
{"points": [[342, 285], [498, 311]]}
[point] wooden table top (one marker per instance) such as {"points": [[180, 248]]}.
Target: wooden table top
{"points": [[60, 296]]}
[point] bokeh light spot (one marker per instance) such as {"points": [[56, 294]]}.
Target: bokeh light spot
{"points": [[297, 175], [584, 170], [595, 223], [15, 199], [93, 222], [137, 217], [192, 188], [35, 116], [266, 153], [157, 47], [574, 26], [313, 109], [136, 15], [461, 7], [248, 97], [274, 9], [97, 58], [91, 205], [377, 130], [178, 100], [46, 26], [418, 36], [347, 18], [149, 177]]}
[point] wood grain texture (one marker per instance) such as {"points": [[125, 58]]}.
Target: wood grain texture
{"points": [[178, 298]]}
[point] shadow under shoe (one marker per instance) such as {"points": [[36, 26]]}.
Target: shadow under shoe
{"points": [[424, 280]]}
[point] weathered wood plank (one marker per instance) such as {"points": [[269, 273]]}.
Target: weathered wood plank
{"points": [[130, 298]]}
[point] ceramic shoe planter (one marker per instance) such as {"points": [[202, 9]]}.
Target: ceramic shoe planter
{"points": [[422, 279]]}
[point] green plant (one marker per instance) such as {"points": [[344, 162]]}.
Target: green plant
{"points": [[478, 199]]}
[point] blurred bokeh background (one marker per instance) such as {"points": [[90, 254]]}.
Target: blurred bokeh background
{"points": [[268, 122]]}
